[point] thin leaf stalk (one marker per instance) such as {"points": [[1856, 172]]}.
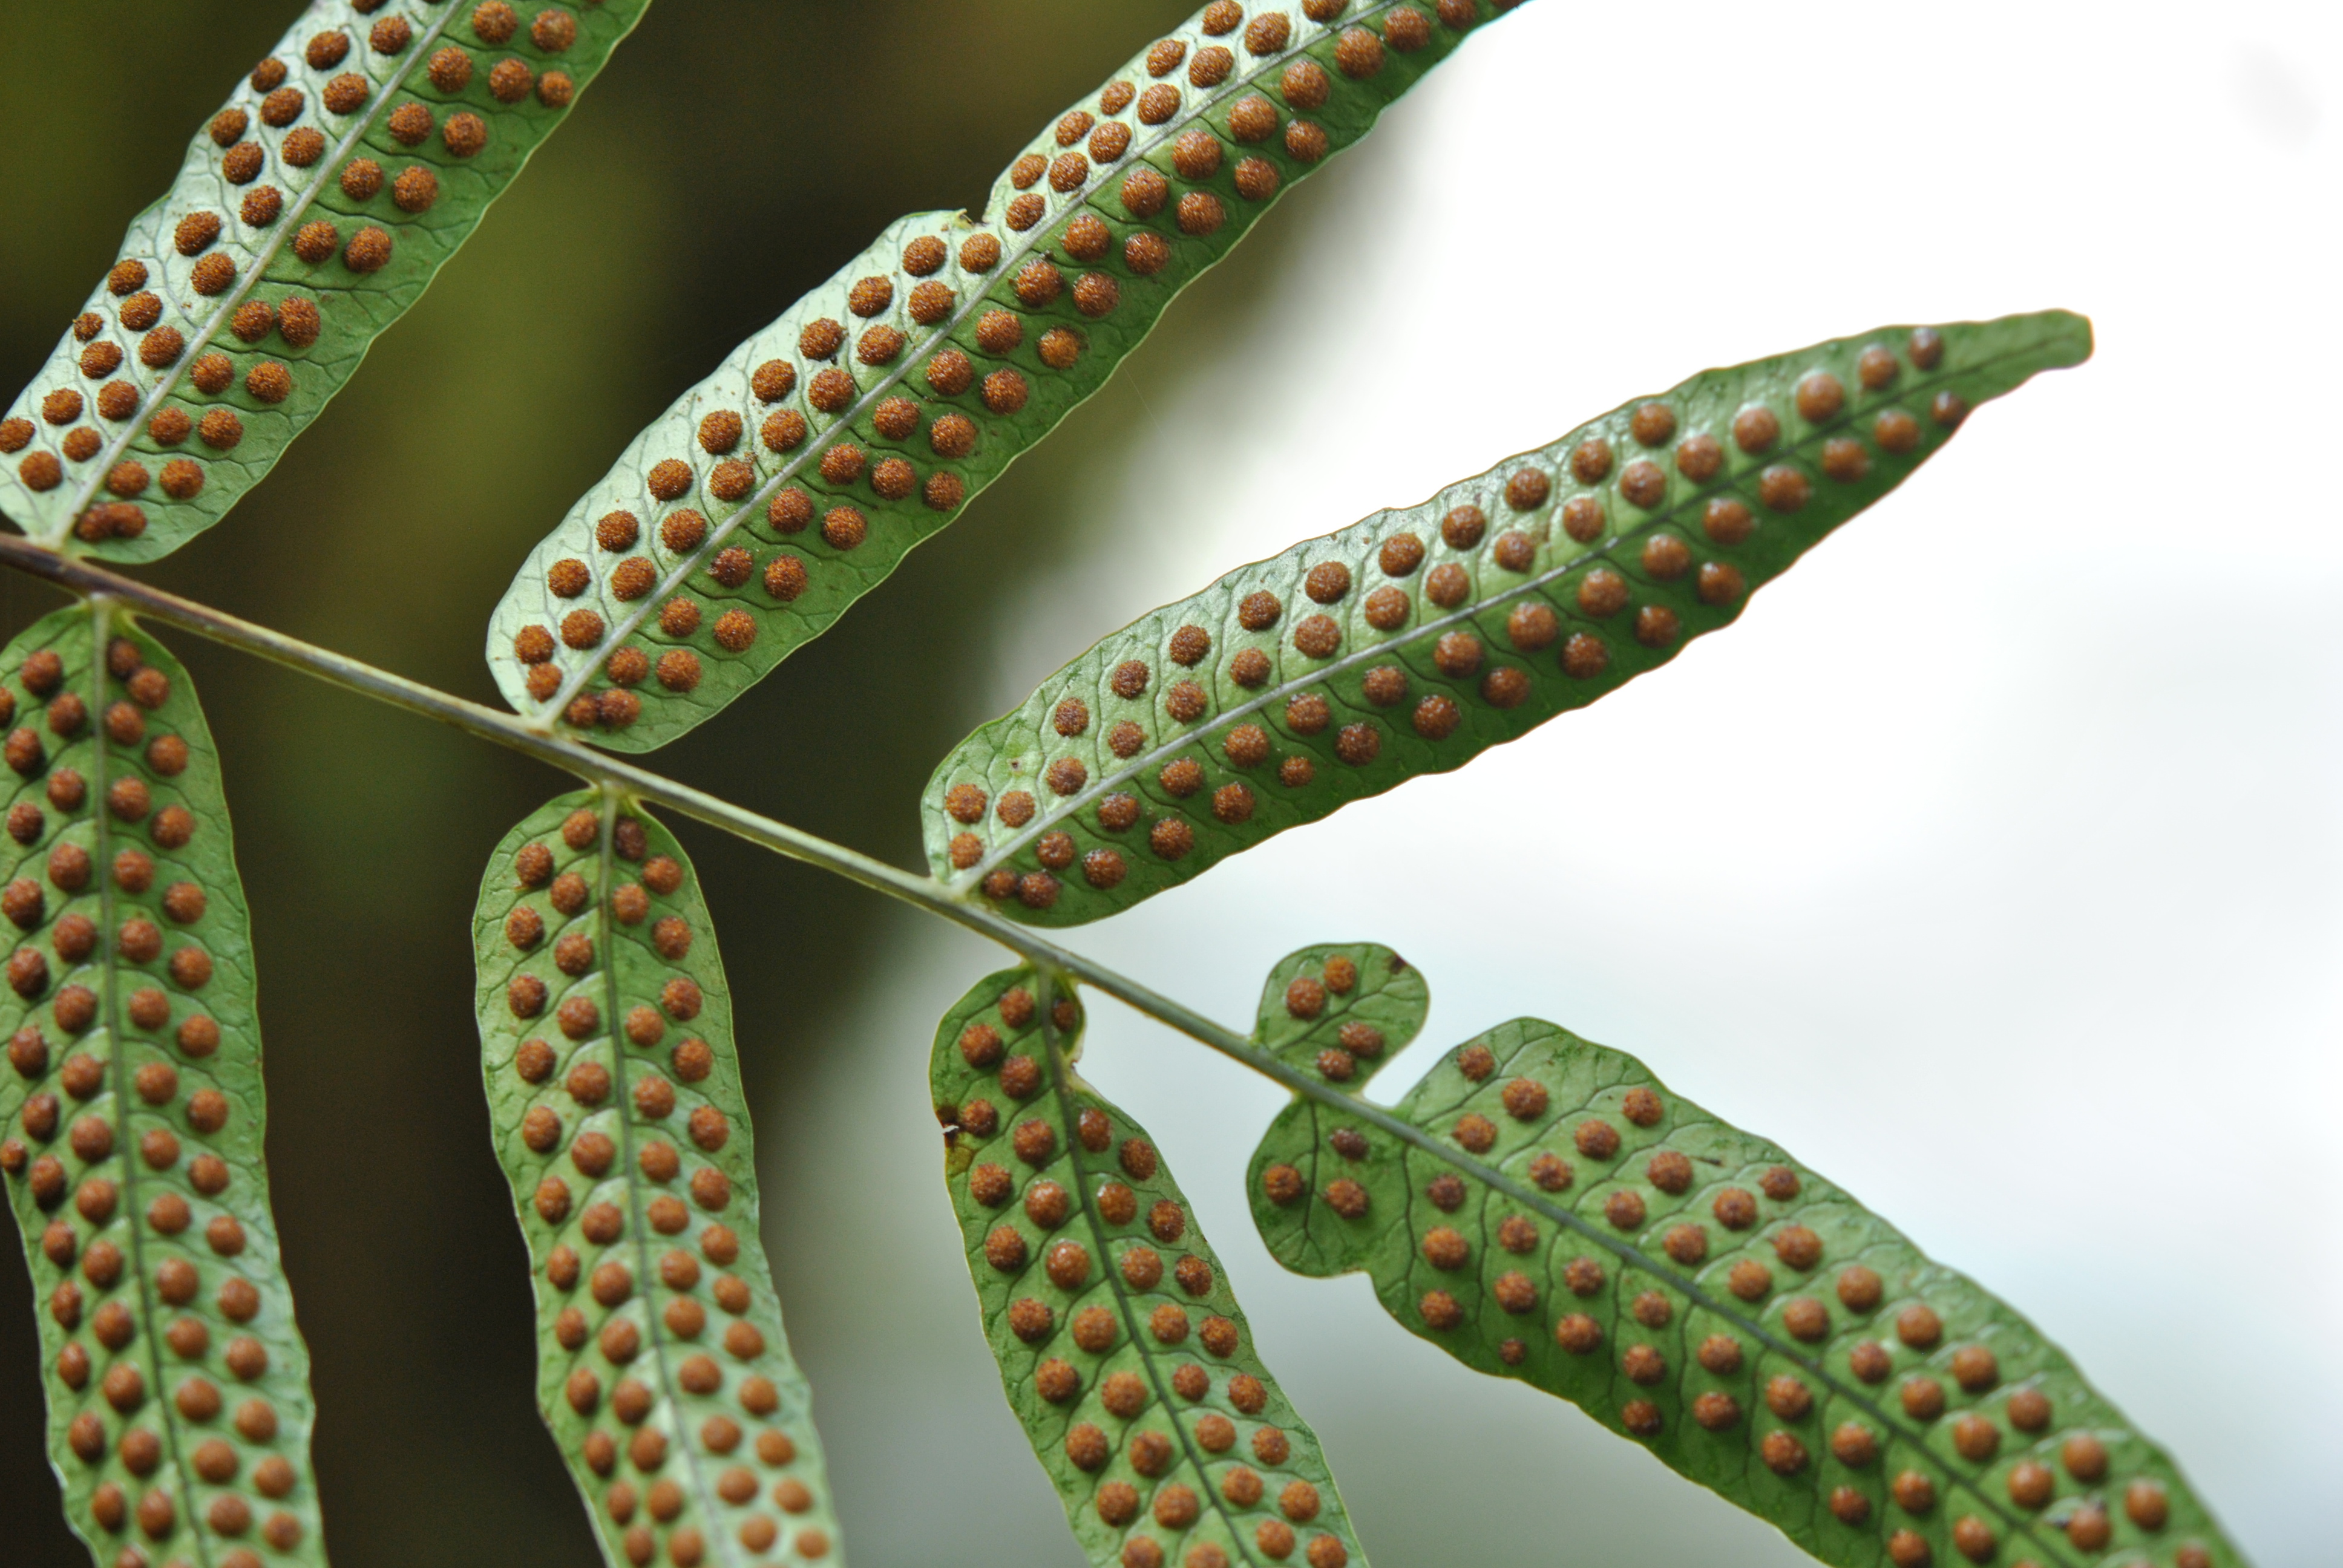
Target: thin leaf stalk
{"points": [[612, 775]]}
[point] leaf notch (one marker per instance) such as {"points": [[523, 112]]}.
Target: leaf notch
{"points": [[1544, 1209], [1166, 1437]]}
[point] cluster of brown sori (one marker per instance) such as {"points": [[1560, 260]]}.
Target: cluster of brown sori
{"points": [[871, 410], [1724, 1306], [1550, 579], [621, 1124], [1134, 1363], [134, 1154], [284, 232]]}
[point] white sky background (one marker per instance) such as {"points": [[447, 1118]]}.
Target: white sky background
{"points": [[1991, 863]]}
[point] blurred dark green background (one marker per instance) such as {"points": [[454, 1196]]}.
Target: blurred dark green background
{"points": [[733, 154]]}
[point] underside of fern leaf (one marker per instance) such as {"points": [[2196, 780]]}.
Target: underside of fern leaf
{"points": [[1121, 1348], [606, 1027], [1412, 641], [1543, 1208], [746, 519], [131, 1115], [310, 212]]}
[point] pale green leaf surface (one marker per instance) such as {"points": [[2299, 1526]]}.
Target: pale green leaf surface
{"points": [[614, 1091], [1121, 1346], [132, 1113], [127, 383], [1573, 1222], [1414, 641], [742, 522]]}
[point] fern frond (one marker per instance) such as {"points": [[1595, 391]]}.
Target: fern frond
{"points": [[1121, 1347], [309, 215], [1412, 641], [605, 1030], [768, 499], [1557, 1214], [131, 1114]]}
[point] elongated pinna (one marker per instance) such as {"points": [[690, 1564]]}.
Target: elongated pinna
{"points": [[744, 520], [614, 1089], [1414, 641]]}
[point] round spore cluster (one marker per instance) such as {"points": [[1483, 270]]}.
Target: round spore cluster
{"points": [[1577, 1227], [1117, 1338]]}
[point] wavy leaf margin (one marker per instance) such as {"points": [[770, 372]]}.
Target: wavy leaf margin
{"points": [[1120, 1344]]}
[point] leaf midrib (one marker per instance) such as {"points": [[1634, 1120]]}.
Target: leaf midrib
{"points": [[1464, 614], [288, 223], [151, 1315], [718, 1540], [1059, 1073], [1390, 1121], [1015, 250]]}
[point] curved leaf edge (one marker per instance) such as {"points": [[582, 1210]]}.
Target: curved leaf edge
{"points": [[693, 661], [185, 483]]}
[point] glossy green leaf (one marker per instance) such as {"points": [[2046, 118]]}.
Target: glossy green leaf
{"points": [[1569, 1220], [1121, 1348], [131, 1114], [307, 215], [606, 1031], [1412, 641], [768, 499]]}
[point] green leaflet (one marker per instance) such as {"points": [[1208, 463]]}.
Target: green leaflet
{"points": [[790, 482], [606, 1036], [131, 1115], [1121, 1349], [1570, 1221], [1412, 641], [309, 215]]}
